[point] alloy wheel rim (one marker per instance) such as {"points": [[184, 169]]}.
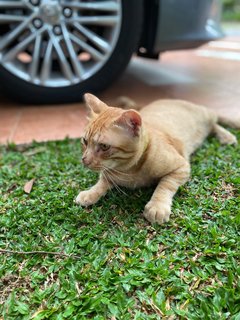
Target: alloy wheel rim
{"points": [[58, 43]]}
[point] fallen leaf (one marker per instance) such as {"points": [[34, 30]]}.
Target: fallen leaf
{"points": [[28, 186]]}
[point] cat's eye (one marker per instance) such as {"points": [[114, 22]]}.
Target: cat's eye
{"points": [[104, 147], [84, 141]]}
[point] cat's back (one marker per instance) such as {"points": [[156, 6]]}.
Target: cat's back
{"points": [[186, 121], [173, 109]]}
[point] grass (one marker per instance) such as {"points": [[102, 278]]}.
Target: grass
{"points": [[231, 10], [123, 267]]}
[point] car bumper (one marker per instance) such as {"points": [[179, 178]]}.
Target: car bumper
{"points": [[187, 24]]}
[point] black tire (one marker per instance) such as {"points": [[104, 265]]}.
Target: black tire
{"points": [[26, 92]]}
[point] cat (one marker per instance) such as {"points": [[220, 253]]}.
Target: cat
{"points": [[150, 147]]}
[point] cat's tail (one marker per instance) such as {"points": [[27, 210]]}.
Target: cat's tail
{"points": [[230, 122], [223, 135], [126, 103]]}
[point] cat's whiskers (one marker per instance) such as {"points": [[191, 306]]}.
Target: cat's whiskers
{"points": [[106, 178], [117, 177], [120, 172], [117, 174], [107, 175]]}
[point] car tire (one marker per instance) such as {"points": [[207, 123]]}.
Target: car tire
{"points": [[25, 91]]}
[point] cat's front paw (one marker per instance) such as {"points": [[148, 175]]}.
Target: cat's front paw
{"points": [[157, 212], [87, 198]]}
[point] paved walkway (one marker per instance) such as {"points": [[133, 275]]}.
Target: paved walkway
{"points": [[209, 76]]}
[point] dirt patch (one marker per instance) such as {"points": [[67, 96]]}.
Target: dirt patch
{"points": [[10, 282]]}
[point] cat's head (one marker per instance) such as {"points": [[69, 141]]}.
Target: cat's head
{"points": [[112, 136]]}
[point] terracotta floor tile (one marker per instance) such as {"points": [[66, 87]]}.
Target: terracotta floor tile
{"points": [[200, 76], [9, 119], [50, 123]]}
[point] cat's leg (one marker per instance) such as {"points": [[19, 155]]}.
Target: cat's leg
{"points": [[224, 136], [158, 209], [91, 196]]}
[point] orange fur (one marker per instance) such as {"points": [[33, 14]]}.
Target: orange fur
{"points": [[135, 149]]}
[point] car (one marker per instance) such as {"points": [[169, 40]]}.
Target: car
{"points": [[53, 51]]}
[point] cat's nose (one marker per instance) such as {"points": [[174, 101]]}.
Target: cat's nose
{"points": [[85, 161]]}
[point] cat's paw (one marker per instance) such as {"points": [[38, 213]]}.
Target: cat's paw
{"points": [[87, 198], [156, 212]]}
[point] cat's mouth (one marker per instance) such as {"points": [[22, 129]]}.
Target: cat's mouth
{"points": [[97, 169], [93, 167]]}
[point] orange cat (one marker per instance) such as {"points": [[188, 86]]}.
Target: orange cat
{"points": [[136, 149]]}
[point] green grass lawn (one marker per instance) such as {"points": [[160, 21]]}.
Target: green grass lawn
{"points": [[116, 265]]}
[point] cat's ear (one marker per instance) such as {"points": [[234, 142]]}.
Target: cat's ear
{"points": [[131, 121], [95, 105]]}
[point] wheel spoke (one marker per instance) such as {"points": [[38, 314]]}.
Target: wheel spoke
{"points": [[111, 6], [12, 54], [66, 69], [36, 58], [74, 59], [97, 20], [95, 39], [47, 63], [12, 35], [83, 45], [6, 18], [12, 4]]}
